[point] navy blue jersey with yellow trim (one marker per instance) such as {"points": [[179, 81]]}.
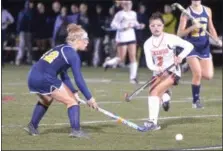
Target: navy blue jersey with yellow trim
{"points": [[198, 37], [57, 61]]}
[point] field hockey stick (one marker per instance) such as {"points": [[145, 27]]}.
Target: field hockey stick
{"points": [[184, 11], [117, 118], [128, 97]]}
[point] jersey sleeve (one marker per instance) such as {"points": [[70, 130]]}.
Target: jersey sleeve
{"points": [[74, 61], [66, 80], [136, 23], [187, 46], [116, 22], [10, 17], [149, 58]]}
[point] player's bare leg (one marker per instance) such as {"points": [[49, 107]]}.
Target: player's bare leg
{"points": [[154, 102], [39, 111], [207, 68], [166, 97], [133, 67], [119, 59], [196, 70], [122, 52], [64, 95]]}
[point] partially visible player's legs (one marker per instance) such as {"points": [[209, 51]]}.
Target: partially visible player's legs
{"points": [[163, 96], [28, 43], [207, 68], [133, 67], [196, 70], [122, 51], [154, 102], [65, 96], [184, 66], [38, 112], [112, 62], [166, 97], [21, 48], [96, 52], [119, 59]]}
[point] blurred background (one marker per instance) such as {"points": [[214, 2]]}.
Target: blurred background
{"points": [[45, 21]]}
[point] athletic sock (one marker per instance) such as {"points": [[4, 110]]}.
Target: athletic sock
{"points": [[195, 92], [133, 67], [166, 97], [38, 113], [154, 106], [74, 116]]}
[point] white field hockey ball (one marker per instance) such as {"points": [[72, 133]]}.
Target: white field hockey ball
{"points": [[179, 137]]}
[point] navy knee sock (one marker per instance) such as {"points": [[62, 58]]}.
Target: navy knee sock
{"points": [[74, 116], [38, 113], [195, 92]]}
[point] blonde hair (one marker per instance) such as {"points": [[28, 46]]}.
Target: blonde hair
{"points": [[74, 32]]}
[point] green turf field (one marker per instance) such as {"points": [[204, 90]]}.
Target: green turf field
{"points": [[200, 128]]}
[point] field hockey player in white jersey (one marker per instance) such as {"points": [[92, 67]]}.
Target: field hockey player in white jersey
{"points": [[160, 54], [124, 22]]}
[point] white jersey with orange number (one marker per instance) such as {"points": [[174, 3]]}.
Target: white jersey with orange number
{"points": [[158, 53], [121, 21]]}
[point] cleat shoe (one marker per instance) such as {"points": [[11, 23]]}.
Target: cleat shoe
{"points": [[151, 126], [166, 106], [121, 65], [143, 129], [31, 130], [78, 134], [134, 81], [197, 105], [105, 66]]}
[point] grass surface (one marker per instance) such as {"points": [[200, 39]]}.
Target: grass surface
{"points": [[200, 128]]}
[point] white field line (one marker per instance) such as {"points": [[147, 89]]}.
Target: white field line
{"points": [[204, 148], [108, 102], [110, 121], [89, 80], [139, 98], [117, 102], [102, 93], [186, 98]]}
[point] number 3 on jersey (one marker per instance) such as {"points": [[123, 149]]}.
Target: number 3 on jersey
{"points": [[50, 56], [160, 60]]}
